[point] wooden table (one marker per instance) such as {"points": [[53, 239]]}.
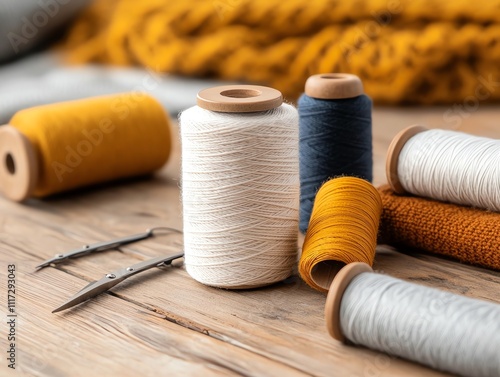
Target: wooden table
{"points": [[162, 322]]}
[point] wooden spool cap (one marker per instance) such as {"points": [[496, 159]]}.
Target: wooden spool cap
{"points": [[239, 98], [392, 161], [18, 164], [334, 86], [335, 294]]}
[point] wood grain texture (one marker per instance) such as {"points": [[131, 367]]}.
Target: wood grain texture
{"points": [[161, 322]]}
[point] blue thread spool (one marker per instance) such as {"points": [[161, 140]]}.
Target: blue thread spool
{"points": [[335, 125]]}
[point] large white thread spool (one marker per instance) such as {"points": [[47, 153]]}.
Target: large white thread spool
{"points": [[448, 332], [446, 165], [240, 187]]}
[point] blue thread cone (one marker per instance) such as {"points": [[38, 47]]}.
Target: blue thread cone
{"points": [[335, 140]]}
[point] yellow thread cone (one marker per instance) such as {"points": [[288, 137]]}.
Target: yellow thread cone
{"points": [[343, 229], [84, 142]]}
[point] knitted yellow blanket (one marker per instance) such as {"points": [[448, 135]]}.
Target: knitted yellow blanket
{"points": [[405, 51]]}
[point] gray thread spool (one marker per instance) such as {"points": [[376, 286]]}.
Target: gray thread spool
{"points": [[448, 332]]}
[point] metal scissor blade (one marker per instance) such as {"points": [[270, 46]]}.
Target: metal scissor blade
{"points": [[96, 247], [106, 245], [114, 278], [91, 290]]}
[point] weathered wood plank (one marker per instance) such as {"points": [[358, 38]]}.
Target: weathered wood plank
{"points": [[283, 323], [119, 338]]}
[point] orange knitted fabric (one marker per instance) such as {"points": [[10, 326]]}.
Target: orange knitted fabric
{"points": [[418, 51], [467, 234]]}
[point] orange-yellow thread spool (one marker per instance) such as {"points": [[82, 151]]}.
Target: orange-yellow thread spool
{"points": [[54, 148], [343, 229]]}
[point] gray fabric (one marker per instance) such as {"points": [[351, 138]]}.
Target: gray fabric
{"points": [[42, 79], [24, 24]]}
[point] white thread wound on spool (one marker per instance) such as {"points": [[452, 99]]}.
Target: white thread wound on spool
{"points": [[436, 328], [452, 167], [240, 193]]}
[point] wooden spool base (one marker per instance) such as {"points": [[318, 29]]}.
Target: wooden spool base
{"points": [[334, 298], [18, 164], [397, 144]]}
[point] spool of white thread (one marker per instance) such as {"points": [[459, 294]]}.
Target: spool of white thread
{"points": [[240, 187], [446, 165], [439, 329]]}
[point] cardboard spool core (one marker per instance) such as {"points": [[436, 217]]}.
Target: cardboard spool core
{"points": [[324, 272], [392, 161], [18, 164], [239, 98], [335, 294], [334, 86]]}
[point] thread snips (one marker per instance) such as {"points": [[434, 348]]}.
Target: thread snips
{"points": [[113, 278]]}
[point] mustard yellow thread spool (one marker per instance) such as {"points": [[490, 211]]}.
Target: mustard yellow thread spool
{"points": [[343, 229], [54, 148]]}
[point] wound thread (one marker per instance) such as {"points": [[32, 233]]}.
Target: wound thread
{"points": [[452, 167], [343, 229], [445, 331], [335, 140], [240, 194], [90, 141]]}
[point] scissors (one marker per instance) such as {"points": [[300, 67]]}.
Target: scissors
{"points": [[113, 278]]}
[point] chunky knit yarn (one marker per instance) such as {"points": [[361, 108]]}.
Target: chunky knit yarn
{"points": [[411, 51], [467, 234]]}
